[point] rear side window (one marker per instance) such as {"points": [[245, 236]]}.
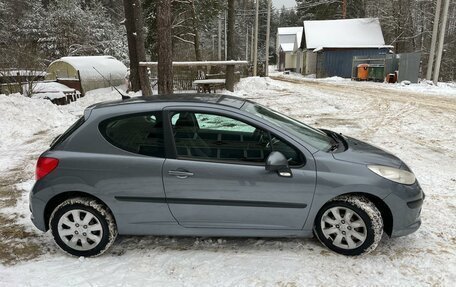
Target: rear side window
{"points": [[138, 133], [67, 133]]}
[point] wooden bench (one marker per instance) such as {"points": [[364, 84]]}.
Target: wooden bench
{"points": [[208, 85]]}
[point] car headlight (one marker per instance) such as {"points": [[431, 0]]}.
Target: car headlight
{"points": [[393, 174]]}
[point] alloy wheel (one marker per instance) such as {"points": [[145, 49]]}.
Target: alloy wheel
{"points": [[80, 229], [344, 227]]}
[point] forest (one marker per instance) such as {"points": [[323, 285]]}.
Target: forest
{"points": [[34, 33]]}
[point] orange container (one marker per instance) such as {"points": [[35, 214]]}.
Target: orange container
{"points": [[362, 71]]}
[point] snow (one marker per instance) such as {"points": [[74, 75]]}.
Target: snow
{"points": [[415, 122], [24, 118], [346, 33], [42, 87], [287, 47], [423, 87], [49, 95], [49, 90]]}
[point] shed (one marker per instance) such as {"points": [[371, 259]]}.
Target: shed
{"points": [[288, 49], [330, 45], [81, 72]]}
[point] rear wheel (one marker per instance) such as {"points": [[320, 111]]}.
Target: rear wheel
{"points": [[349, 225], [83, 227]]}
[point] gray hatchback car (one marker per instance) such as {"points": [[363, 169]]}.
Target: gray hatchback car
{"points": [[216, 165]]}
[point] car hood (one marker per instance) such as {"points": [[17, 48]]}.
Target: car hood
{"points": [[364, 153]]}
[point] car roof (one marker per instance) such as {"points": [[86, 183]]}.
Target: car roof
{"points": [[218, 99]]}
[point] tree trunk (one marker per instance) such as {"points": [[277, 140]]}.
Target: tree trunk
{"points": [[196, 36], [165, 47], [131, 30], [140, 49], [230, 46]]}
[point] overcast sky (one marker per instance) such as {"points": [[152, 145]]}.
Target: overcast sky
{"points": [[279, 3]]}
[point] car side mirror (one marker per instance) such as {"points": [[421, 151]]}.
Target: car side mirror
{"points": [[276, 161]]}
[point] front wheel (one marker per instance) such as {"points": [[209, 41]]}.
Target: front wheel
{"points": [[83, 227], [349, 225]]}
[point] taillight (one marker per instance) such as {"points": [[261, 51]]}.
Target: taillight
{"points": [[44, 166]]}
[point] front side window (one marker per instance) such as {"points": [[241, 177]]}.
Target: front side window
{"points": [[139, 133], [216, 137]]}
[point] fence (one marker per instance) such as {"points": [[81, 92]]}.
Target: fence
{"points": [[185, 73]]}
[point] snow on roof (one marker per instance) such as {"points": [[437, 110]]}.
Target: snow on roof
{"points": [[346, 33], [49, 87], [287, 47], [289, 35], [291, 30], [49, 90], [49, 96], [108, 66]]}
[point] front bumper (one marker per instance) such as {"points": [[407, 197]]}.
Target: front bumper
{"points": [[405, 204]]}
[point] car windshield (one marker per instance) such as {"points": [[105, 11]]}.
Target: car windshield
{"points": [[316, 138]]}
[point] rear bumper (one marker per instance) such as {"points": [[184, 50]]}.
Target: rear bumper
{"points": [[37, 207], [405, 205]]}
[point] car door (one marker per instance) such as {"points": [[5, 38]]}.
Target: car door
{"points": [[127, 170], [218, 178]]}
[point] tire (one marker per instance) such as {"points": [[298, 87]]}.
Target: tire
{"points": [[356, 231], [86, 236]]}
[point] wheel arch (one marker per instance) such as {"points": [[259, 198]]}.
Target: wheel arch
{"points": [[384, 209], [61, 197]]}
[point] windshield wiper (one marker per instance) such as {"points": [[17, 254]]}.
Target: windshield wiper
{"points": [[334, 146], [334, 141]]}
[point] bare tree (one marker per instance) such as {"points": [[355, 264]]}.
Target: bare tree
{"points": [[196, 35], [165, 47], [134, 24]]}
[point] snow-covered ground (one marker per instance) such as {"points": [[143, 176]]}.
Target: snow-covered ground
{"points": [[417, 124]]}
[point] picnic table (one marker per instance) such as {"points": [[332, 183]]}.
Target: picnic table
{"points": [[208, 85]]}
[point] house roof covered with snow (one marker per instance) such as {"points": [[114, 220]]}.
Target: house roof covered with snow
{"points": [[289, 39], [345, 33], [287, 47]]}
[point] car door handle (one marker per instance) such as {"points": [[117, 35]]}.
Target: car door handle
{"points": [[180, 173]]}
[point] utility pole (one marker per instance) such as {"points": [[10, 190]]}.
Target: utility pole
{"points": [[213, 46], [441, 41], [255, 48], [266, 73], [252, 43], [247, 44], [230, 68], [435, 31], [226, 50], [219, 54]]}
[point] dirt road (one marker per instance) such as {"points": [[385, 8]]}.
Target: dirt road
{"points": [[384, 93]]}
